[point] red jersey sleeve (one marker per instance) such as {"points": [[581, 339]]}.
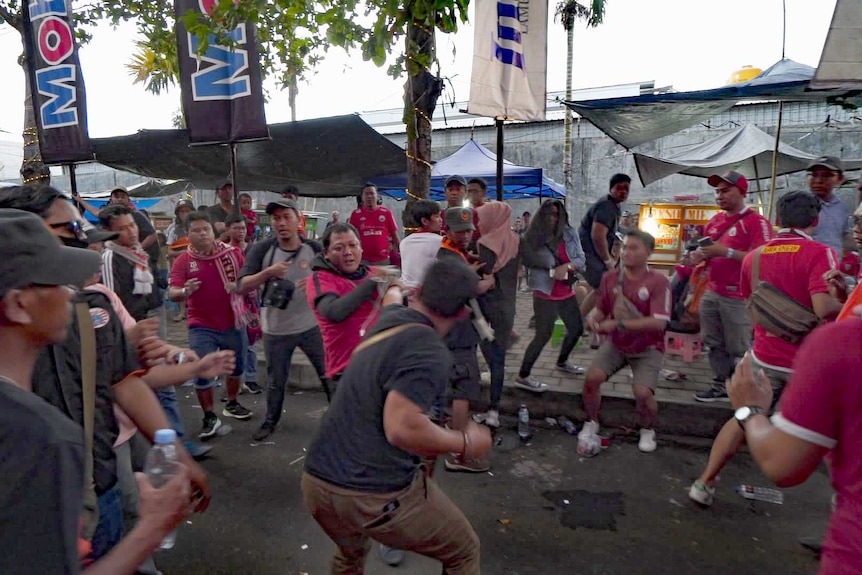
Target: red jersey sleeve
{"points": [[810, 406], [393, 226], [760, 233], [660, 299], [178, 271], [824, 261]]}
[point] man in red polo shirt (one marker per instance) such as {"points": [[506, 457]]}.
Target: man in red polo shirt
{"points": [[636, 338], [797, 265], [376, 226], [728, 237]]}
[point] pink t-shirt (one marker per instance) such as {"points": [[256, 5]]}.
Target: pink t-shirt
{"points": [[127, 428], [822, 404], [750, 232], [795, 264], [341, 338], [209, 306], [375, 228]]}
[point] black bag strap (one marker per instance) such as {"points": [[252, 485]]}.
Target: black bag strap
{"points": [[736, 221]]}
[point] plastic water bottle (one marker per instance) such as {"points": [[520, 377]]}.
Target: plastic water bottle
{"points": [[160, 467], [524, 423], [567, 425], [760, 494]]}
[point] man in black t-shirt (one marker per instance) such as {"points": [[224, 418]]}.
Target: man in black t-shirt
{"points": [[363, 477], [597, 232], [41, 450]]}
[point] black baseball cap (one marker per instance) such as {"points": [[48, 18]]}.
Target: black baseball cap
{"points": [[33, 256], [283, 203], [456, 179], [831, 162], [449, 285]]}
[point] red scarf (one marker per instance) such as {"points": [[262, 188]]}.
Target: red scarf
{"points": [[228, 265]]}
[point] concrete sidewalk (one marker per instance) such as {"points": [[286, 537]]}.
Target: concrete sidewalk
{"points": [[679, 413]]}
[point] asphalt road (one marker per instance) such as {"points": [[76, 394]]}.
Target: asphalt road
{"points": [[541, 510]]}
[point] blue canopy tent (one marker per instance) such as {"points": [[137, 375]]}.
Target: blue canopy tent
{"points": [[473, 160]]}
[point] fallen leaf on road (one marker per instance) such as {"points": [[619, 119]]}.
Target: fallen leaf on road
{"points": [[504, 521]]}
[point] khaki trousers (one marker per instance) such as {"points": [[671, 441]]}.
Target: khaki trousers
{"points": [[419, 518]]}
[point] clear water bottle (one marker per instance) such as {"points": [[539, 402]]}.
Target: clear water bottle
{"points": [[161, 467], [524, 423], [567, 425], [760, 494]]}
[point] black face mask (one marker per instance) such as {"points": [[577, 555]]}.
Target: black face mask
{"points": [[74, 243]]}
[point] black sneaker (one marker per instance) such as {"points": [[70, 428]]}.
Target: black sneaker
{"points": [[714, 393], [211, 425], [235, 410], [251, 387], [265, 431]]}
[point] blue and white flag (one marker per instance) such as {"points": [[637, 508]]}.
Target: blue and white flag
{"points": [[510, 59]]}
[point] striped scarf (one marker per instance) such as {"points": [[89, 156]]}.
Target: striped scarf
{"points": [[227, 262]]}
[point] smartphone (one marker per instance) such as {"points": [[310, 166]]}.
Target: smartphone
{"points": [[704, 242]]}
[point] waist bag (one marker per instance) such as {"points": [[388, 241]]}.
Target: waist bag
{"points": [[776, 312]]}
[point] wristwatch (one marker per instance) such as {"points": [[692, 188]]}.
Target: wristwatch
{"points": [[730, 252], [745, 413]]}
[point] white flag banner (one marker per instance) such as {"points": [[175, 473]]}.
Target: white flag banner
{"points": [[510, 59]]}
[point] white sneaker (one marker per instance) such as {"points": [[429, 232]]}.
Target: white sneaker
{"points": [[701, 493], [531, 384], [492, 418], [590, 428], [647, 442], [485, 377]]}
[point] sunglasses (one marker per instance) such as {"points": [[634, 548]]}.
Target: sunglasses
{"points": [[73, 227]]}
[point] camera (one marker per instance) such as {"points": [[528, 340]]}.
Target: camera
{"points": [[278, 293]]}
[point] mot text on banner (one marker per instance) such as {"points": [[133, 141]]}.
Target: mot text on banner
{"points": [[221, 89], [56, 83], [510, 53]]}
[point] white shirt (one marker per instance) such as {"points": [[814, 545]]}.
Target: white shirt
{"points": [[418, 252]]}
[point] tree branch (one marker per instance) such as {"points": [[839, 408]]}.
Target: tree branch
{"points": [[14, 20]]}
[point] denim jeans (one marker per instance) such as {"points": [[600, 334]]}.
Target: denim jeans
{"points": [[279, 352], [168, 400], [204, 340], [495, 356], [250, 373], [109, 530]]}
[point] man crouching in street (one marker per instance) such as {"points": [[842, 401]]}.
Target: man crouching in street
{"points": [[362, 477]]}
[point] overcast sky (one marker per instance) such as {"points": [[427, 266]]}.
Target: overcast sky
{"points": [[690, 44]]}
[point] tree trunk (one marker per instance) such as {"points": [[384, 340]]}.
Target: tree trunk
{"points": [[421, 92], [292, 91], [567, 146], [33, 171]]}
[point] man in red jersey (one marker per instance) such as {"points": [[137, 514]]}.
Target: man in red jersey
{"points": [[796, 264], [729, 236], [376, 226]]}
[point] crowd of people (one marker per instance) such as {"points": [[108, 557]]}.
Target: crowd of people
{"points": [[86, 365]]}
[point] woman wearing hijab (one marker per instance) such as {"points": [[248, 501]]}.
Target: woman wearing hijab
{"points": [[498, 251], [552, 252]]}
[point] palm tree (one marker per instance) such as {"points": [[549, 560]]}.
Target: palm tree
{"points": [[568, 11]]}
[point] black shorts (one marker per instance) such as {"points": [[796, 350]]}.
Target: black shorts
{"points": [[595, 271], [464, 377]]}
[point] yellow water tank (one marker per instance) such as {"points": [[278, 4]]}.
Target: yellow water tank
{"points": [[744, 74]]}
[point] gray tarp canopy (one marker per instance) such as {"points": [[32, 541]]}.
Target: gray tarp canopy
{"points": [[841, 61], [746, 149], [639, 119], [325, 157]]}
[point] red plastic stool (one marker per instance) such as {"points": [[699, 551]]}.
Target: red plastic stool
{"points": [[687, 345]]}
